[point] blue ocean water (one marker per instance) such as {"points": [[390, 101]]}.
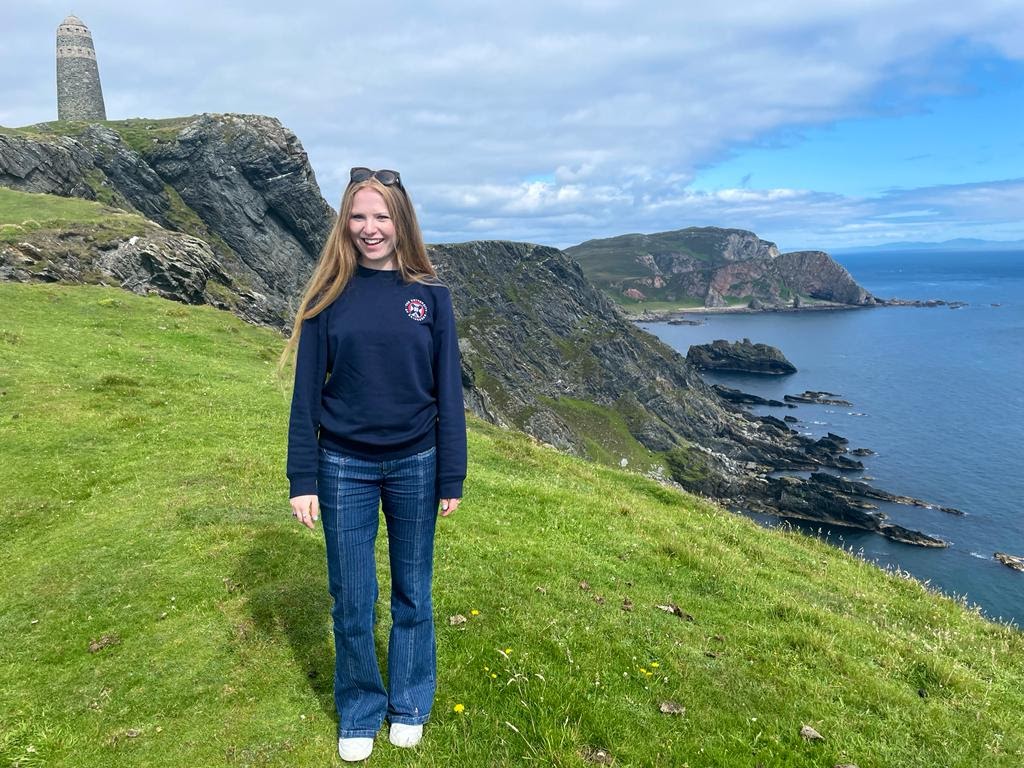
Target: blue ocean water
{"points": [[938, 393]]}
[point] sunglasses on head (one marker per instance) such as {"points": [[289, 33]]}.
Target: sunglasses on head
{"points": [[385, 177]]}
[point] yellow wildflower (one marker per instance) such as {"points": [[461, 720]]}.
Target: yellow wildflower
{"points": [[459, 709], [474, 612]]}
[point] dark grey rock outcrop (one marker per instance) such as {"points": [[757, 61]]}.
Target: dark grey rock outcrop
{"points": [[1016, 562], [739, 357], [745, 398], [249, 180], [56, 166], [817, 398], [242, 183], [127, 173], [169, 264]]}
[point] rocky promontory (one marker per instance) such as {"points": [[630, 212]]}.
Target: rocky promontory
{"points": [[739, 357], [716, 269], [240, 183]]}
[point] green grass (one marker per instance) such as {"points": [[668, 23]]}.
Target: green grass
{"points": [[139, 133], [144, 502], [22, 213], [605, 433], [632, 306]]}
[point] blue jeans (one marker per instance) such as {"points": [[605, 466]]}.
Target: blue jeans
{"points": [[350, 492]]}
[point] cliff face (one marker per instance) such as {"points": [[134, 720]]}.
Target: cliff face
{"points": [[712, 267], [232, 216], [819, 276], [241, 183]]}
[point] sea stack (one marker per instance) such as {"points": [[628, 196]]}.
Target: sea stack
{"points": [[79, 95]]}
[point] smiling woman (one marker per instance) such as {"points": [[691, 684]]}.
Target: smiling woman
{"points": [[377, 420]]}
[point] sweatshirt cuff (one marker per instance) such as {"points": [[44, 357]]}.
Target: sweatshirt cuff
{"points": [[302, 485], [450, 489]]}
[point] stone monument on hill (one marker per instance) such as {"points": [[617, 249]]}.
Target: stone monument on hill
{"points": [[79, 95]]}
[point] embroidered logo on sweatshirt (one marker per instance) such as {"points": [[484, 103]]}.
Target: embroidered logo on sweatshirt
{"points": [[416, 309]]}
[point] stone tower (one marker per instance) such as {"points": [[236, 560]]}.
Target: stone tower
{"points": [[79, 96]]}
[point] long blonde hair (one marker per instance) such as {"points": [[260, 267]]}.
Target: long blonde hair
{"points": [[339, 257]]}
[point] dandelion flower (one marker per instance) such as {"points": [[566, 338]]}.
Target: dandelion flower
{"points": [[655, 665], [474, 612], [459, 709]]}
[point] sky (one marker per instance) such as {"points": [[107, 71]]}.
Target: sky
{"points": [[820, 125]]}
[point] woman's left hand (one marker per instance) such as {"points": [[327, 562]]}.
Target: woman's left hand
{"points": [[448, 506]]}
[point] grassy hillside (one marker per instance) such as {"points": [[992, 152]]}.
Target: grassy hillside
{"points": [[24, 213], [160, 607]]}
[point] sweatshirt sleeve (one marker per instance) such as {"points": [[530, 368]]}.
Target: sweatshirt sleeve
{"points": [[304, 423], [451, 414]]}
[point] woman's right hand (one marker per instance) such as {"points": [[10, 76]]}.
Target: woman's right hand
{"points": [[306, 509]]}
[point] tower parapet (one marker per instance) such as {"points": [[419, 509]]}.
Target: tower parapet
{"points": [[79, 95]]}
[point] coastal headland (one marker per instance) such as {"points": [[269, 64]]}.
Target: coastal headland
{"points": [[225, 210]]}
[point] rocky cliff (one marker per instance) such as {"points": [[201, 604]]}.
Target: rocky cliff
{"points": [[712, 267], [240, 183], [224, 209]]}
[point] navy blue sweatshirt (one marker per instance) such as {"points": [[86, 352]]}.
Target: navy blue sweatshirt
{"points": [[377, 376]]}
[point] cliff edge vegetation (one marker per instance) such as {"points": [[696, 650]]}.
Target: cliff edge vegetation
{"points": [[160, 607]]}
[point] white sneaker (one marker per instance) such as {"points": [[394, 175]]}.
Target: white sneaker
{"points": [[355, 749], [402, 735]]}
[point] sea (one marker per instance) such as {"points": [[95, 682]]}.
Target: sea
{"points": [[937, 393]]}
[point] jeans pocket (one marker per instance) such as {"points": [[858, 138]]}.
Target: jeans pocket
{"points": [[332, 459]]}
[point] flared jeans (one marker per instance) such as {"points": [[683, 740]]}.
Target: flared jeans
{"points": [[351, 491]]}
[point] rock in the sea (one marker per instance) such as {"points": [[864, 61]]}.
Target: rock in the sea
{"points": [[745, 398], [816, 398], [1012, 561], [740, 357]]}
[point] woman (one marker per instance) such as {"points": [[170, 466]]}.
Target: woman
{"points": [[377, 419]]}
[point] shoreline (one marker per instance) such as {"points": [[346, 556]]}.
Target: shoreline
{"points": [[661, 315], [681, 313]]}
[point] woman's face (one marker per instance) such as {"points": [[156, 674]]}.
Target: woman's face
{"points": [[372, 230]]}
